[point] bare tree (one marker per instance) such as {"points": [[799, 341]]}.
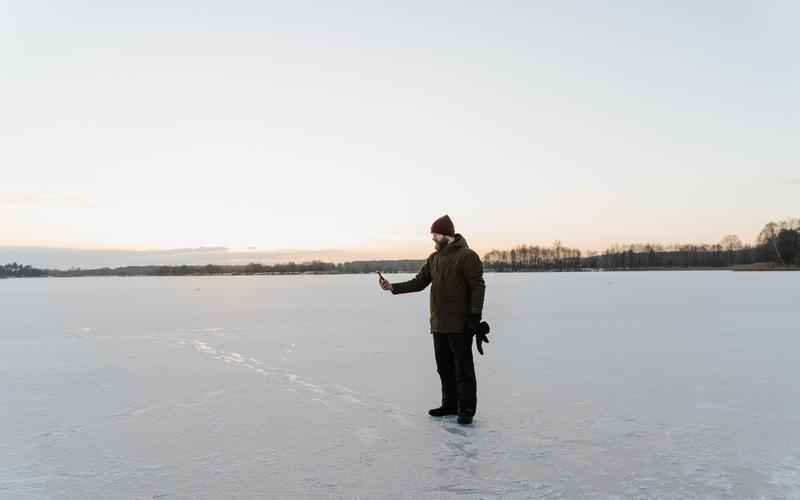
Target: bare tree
{"points": [[731, 243], [768, 237]]}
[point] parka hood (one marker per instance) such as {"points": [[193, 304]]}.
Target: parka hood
{"points": [[458, 242]]}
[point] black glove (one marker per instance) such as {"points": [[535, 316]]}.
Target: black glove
{"points": [[478, 328]]}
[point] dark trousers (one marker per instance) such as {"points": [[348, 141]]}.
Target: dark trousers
{"points": [[456, 371]]}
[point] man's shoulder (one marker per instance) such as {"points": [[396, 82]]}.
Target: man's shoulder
{"points": [[468, 252], [467, 258]]}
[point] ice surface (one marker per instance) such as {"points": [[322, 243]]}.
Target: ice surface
{"points": [[596, 385]]}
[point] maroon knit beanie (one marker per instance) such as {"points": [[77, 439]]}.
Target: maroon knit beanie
{"points": [[443, 225]]}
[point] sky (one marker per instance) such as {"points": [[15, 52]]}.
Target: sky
{"points": [[346, 128]]}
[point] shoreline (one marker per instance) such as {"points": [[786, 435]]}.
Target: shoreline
{"points": [[148, 272], [543, 271]]}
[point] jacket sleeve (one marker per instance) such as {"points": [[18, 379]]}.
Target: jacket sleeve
{"points": [[416, 284], [473, 275]]}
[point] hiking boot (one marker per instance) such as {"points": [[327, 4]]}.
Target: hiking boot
{"points": [[442, 411]]}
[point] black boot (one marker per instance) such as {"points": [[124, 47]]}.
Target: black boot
{"points": [[464, 418], [442, 411]]}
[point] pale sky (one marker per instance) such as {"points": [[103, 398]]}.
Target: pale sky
{"points": [[302, 125]]}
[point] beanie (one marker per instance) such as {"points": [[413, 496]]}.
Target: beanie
{"points": [[443, 225]]}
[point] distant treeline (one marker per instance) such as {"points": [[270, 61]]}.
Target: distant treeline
{"points": [[534, 258], [777, 243], [314, 267], [19, 271]]}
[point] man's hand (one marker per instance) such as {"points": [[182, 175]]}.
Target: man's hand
{"points": [[384, 283], [481, 337], [479, 329]]}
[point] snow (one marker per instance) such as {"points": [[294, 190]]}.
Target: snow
{"points": [[595, 385]]}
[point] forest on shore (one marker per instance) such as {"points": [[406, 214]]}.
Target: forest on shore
{"points": [[778, 244]]}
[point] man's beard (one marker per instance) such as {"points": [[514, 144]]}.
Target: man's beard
{"points": [[440, 245]]}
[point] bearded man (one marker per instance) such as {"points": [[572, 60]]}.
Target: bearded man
{"points": [[455, 273]]}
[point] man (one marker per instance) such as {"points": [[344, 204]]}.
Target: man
{"points": [[456, 303]]}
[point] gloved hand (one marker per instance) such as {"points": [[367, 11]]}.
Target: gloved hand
{"points": [[478, 328]]}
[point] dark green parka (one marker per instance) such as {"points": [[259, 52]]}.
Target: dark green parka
{"points": [[457, 288]]}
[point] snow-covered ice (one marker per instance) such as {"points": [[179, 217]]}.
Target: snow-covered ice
{"points": [[665, 385]]}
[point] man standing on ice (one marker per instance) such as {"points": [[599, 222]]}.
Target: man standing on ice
{"points": [[455, 273]]}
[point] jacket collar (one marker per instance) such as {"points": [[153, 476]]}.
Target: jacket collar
{"points": [[459, 242]]}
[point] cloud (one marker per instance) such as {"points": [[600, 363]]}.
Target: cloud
{"points": [[46, 200]]}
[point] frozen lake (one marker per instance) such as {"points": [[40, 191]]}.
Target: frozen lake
{"points": [[666, 385]]}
